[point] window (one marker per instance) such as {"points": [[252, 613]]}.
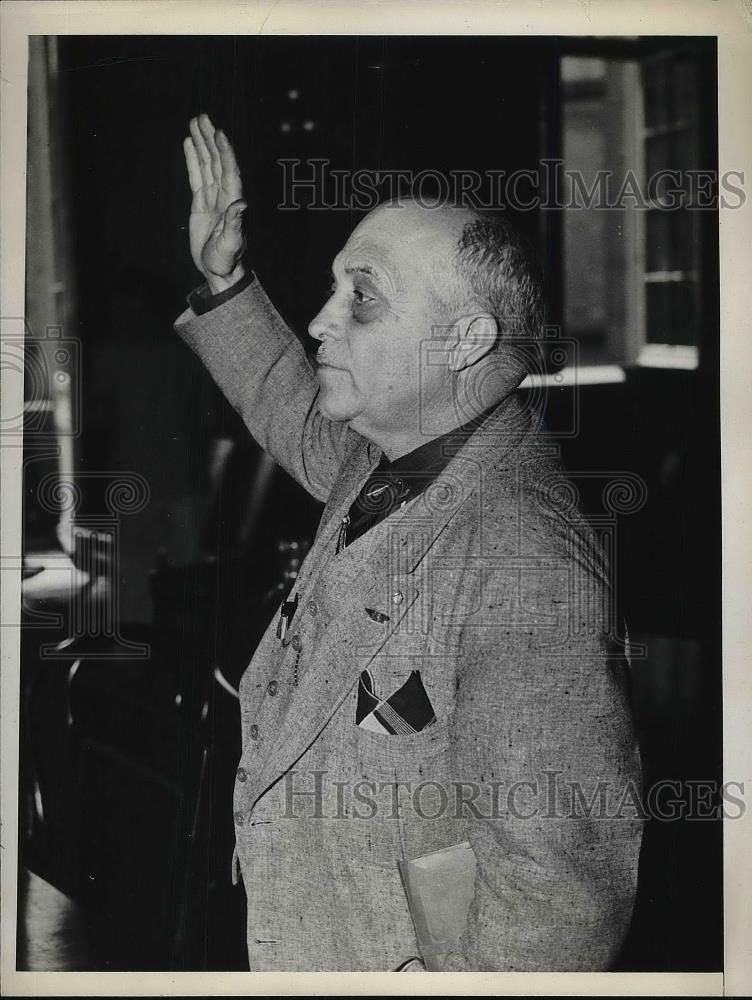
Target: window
{"points": [[670, 142], [631, 136], [51, 355]]}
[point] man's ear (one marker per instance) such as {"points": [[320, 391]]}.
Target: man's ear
{"points": [[476, 336]]}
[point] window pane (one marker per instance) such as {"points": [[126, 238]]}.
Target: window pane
{"points": [[658, 153], [684, 151], [670, 240], [671, 312], [595, 96], [655, 82], [684, 75], [672, 251], [576, 69]]}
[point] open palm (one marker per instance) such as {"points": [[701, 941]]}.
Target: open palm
{"points": [[216, 220]]}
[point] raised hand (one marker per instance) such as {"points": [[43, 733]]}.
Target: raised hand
{"points": [[216, 220]]}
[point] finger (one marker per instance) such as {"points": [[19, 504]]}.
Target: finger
{"points": [[207, 131], [191, 161], [202, 152], [231, 180]]}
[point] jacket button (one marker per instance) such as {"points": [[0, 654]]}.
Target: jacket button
{"points": [[297, 643], [241, 775], [239, 819], [397, 597], [312, 608], [254, 732], [272, 687]]}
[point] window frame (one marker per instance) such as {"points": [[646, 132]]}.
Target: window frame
{"points": [[628, 343]]}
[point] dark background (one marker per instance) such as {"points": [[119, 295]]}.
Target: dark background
{"points": [[136, 782]]}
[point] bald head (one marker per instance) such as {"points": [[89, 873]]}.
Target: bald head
{"points": [[412, 220], [467, 259]]}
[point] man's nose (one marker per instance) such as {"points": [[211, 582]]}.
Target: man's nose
{"points": [[324, 323]]}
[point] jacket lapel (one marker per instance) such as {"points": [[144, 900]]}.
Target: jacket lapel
{"points": [[346, 649], [392, 568], [359, 462]]}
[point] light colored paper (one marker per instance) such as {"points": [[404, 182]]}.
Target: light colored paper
{"points": [[439, 889]]}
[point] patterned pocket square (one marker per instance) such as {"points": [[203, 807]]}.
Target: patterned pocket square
{"points": [[408, 710]]}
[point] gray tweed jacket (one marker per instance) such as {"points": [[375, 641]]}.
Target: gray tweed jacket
{"points": [[494, 587]]}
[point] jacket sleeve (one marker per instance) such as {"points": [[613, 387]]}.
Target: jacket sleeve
{"points": [[262, 369], [543, 728]]}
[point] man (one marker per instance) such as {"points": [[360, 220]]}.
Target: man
{"points": [[442, 671]]}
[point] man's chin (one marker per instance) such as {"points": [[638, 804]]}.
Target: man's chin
{"points": [[333, 402], [336, 410]]}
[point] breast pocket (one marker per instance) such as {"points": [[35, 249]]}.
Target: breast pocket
{"points": [[402, 754], [385, 773]]}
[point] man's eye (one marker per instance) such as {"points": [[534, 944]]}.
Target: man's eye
{"points": [[361, 298]]}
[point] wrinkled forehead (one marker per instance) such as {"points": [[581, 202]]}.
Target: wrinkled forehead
{"points": [[403, 244]]}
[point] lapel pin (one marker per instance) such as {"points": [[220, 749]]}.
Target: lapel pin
{"points": [[377, 616]]}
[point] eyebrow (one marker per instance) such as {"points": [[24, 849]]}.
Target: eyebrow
{"points": [[363, 269], [366, 269]]}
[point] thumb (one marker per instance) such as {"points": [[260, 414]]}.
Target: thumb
{"points": [[233, 221]]}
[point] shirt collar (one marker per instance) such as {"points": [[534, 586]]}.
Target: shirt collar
{"points": [[416, 470]]}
